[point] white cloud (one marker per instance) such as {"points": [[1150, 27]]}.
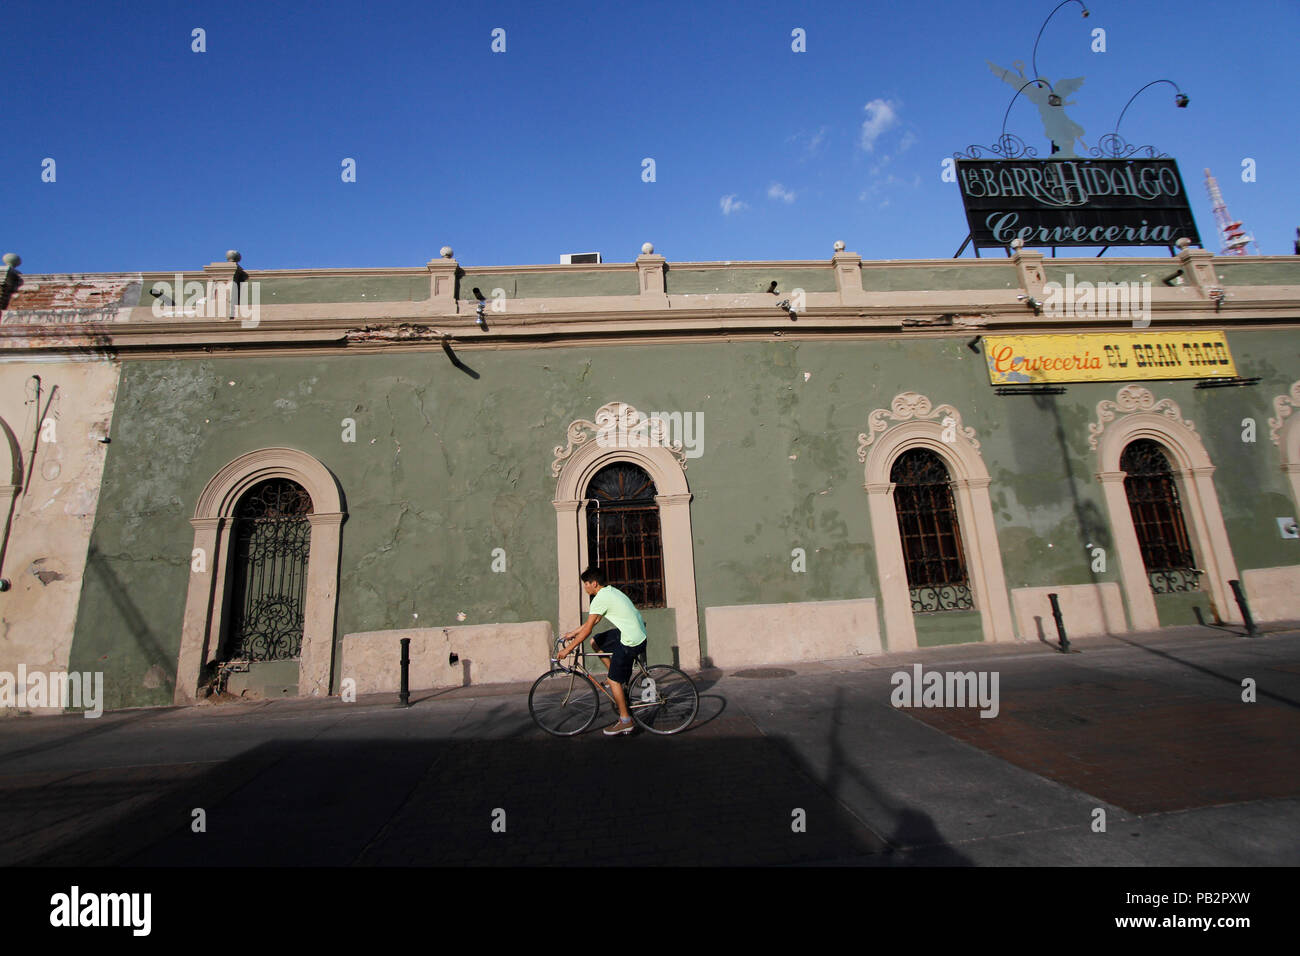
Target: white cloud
{"points": [[815, 142], [881, 115], [731, 204], [811, 143], [777, 191], [909, 138], [885, 185]]}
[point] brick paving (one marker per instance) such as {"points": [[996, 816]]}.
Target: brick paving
{"points": [[1141, 744]]}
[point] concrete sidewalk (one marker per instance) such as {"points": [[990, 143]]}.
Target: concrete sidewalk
{"points": [[786, 764]]}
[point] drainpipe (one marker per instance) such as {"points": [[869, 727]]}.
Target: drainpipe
{"points": [[9, 279]]}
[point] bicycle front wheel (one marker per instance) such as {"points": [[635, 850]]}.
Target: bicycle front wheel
{"points": [[562, 703], [663, 700]]}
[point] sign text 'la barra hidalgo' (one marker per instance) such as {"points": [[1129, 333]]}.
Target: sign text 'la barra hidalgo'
{"points": [[1075, 202]]}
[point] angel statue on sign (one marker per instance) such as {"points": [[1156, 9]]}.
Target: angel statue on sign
{"points": [[1051, 102]]}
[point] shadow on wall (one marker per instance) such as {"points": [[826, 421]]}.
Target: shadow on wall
{"points": [[1092, 524], [155, 656]]}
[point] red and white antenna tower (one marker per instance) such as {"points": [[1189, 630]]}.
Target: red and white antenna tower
{"points": [[1234, 237]]}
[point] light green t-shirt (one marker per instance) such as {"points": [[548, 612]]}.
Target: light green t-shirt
{"points": [[617, 608]]}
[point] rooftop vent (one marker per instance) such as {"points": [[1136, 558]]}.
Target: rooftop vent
{"points": [[579, 258]]}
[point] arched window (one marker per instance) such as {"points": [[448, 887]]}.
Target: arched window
{"points": [[1158, 518], [209, 602], [272, 541], [623, 534], [931, 537]]}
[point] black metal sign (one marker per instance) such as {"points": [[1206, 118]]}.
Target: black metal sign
{"points": [[1075, 202]]}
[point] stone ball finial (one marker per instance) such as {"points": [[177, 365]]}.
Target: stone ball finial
{"points": [[839, 245], [1017, 243], [647, 248], [1183, 243], [232, 255], [13, 260], [446, 252]]}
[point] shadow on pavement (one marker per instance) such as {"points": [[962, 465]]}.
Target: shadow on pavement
{"points": [[721, 794], [1235, 681]]}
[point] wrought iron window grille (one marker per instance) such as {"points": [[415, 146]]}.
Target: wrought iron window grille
{"points": [[930, 534], [624, 537], [1154, 505], [272, 542]]}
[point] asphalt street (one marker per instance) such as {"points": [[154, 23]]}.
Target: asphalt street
{"points": [[798, 764]]}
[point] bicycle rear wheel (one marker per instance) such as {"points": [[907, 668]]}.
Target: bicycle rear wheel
{"points": [[562, 703], [665, 701]]}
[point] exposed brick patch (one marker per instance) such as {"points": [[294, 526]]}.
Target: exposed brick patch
{"points": [[73, 296]]}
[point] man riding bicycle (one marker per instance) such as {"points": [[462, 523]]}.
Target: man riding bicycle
{"points": [[624, 641]]}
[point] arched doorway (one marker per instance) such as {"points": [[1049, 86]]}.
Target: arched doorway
{"points": [[282, 487], [621, 434], [1136, 414], [932, 524]]}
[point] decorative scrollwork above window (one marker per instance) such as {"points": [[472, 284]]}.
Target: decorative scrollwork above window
{"points": [[1133, 398], [910, 406], [617, 425], [1284, 405]]}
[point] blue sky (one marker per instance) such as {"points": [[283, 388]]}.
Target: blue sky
{"points": [[166, 157]]}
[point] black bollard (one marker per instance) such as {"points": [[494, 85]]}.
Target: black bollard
{"points": [[1060, 624], [1240, 595], [405, 695]]}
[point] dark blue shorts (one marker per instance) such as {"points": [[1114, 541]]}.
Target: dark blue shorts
{"points": [[620, 664]]}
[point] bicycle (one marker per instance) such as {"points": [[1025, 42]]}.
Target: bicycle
{"points": [[563, 701]]}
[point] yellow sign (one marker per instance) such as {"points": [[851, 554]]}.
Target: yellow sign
{"points": [[1107, 357]]}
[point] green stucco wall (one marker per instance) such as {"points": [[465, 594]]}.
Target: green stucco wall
{"points": [[683, 280], [312, 289], [1240, 270], [446, 467], [546, 285], [879, 277]]}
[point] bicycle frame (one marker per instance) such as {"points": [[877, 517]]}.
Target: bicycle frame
{"points": [[579, 669]]}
